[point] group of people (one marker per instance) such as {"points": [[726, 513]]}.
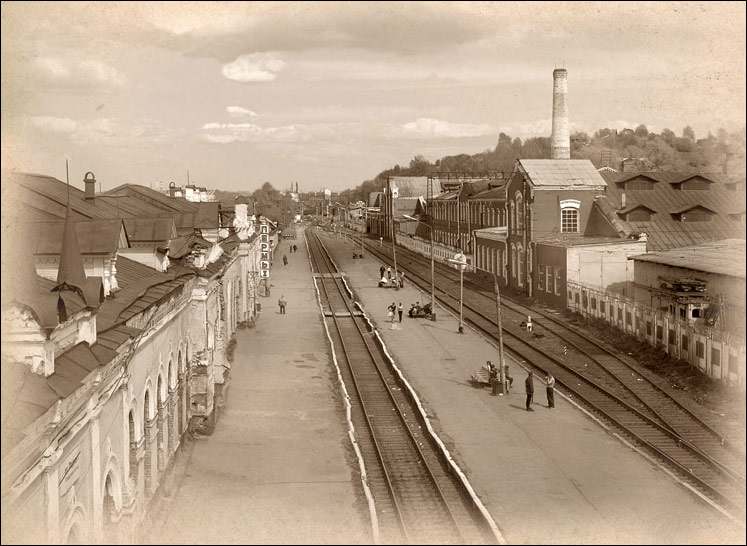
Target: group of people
{"points": [[550, 388], [291, 249], [493, 373], [395, 309], [387, 278]]}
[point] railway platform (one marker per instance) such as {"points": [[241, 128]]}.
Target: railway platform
{"points": [[279, 467], [548, 476]]}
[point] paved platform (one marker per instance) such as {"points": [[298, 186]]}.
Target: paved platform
{"points": [[279, 468], [551, 476]]}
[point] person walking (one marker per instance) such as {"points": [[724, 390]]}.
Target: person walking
{"points": [[282, 303], [392, 308], [285, 259], [382, 270], [402, 279], [400, 310], [389, 273], [550, 391], [529, 384], [529, 323], [295, 249]]}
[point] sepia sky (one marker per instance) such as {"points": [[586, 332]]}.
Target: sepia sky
{"points": [[329, 95]]}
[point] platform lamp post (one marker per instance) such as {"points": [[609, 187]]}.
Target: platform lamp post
{"points": [[460, 261], [394, 233], [502, 364], [433, 268]]}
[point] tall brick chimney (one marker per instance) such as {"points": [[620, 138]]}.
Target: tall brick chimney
{"points": [[90, 183], [560, 141]]}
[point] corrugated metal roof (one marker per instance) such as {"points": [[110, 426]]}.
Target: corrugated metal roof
{"points": [[725, 257], [562, 172], [665, 231]]}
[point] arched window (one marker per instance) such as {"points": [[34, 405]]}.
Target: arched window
{"points": [[161, 426], [512, 216], [569, 217], [519, 212], [148, 453], [520, 262], [133, 448]]}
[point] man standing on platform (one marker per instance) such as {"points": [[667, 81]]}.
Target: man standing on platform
{"points": [[400, 310], [550, 391], [282, 303], [529, 383]]}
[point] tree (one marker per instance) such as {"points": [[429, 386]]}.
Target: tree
{"points": [[641, 131], [688, 132], [419, 166]]}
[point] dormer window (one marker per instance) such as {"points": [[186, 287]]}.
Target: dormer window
{"points": [[569, 209], [638, 182], [694, 182], [636, 213], [692, 213]]}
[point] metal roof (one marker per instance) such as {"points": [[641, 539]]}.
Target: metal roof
{"points": [[410, 186], [725, 257], [665, 231], [562, 173], [157, 230], [93, 236]]}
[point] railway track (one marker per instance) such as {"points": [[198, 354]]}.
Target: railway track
{"points": [[603, 381], [417, 498]]}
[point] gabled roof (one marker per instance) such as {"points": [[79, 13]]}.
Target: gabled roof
{"points": [[48, 197], [680, 178], [410, 186], [154, 198], [724, 257], [689, 206], [634, 206], [93, 236], [562, 173]]}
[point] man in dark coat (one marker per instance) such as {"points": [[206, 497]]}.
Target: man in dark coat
{"points": [[529, 383]]}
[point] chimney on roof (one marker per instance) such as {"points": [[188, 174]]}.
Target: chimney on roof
{"points": [[560, 141], [172, 189], [90, 183]]}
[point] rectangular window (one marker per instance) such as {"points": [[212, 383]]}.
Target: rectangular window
{"points": [[601, 307], [699, 349], [715, 356], [541, 282], [570, 296], [659, 333], [548, 279], [593, 303], [557, 281], [619, 313], [628, 318], [684, 342], [683, 312], [648, 327], [576, 297], [569, 221], [671, 338]]}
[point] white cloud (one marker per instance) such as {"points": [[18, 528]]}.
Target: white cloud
{"points": [[54, 124], [256, 67], [68, 73], [240, 112], [436, 128]]}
